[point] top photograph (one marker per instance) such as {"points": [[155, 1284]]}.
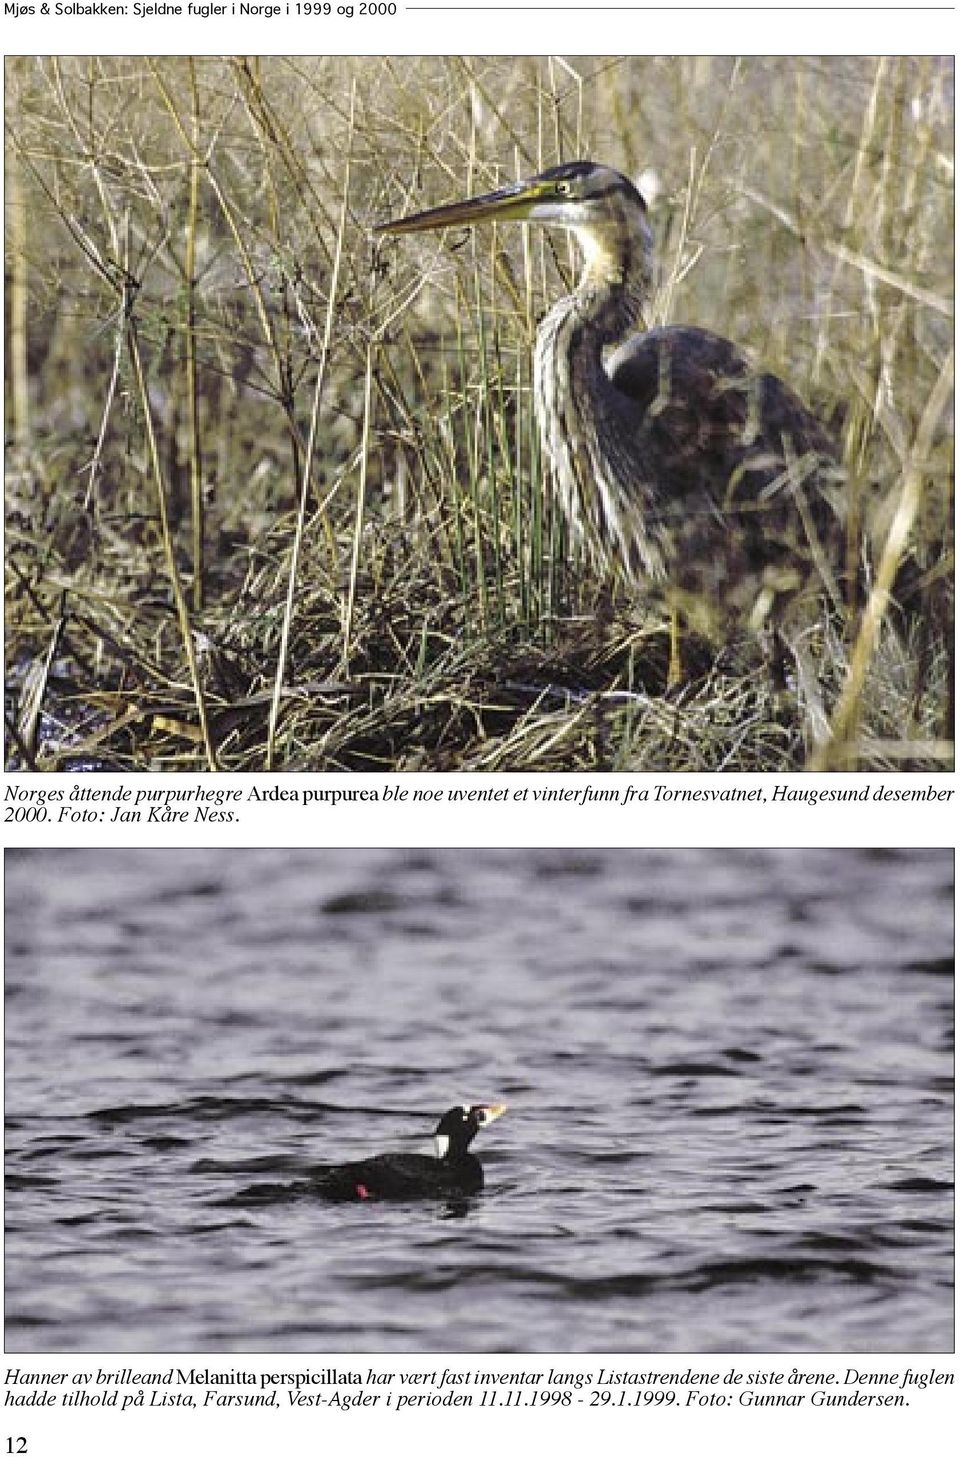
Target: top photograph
{"points": [[529, 414]]}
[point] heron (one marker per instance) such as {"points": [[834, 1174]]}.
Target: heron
{"points": [[684, 469]]}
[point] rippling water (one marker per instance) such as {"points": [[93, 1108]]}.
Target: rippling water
{"points": [[729, 1078]]}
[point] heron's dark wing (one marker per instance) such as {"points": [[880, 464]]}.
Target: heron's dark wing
{"points": [[747, 474], [710, 412]]}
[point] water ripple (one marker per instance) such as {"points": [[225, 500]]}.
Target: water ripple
{"points": [[729, 1077]]}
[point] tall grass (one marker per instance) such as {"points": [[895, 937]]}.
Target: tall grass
{"points": [[275, 498]]}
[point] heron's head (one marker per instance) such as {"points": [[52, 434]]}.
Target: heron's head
{"points": [[599, 205]]}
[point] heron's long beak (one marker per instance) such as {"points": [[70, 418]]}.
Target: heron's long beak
{"points": [[511, 203]]}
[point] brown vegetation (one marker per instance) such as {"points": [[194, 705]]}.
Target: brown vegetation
{"points": [[275, 499]]}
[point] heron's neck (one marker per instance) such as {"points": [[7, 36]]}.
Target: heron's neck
{"points": [[578, 331], [615, 283], [585, 422]]}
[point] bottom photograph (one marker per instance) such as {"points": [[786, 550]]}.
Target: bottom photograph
{"points": [[479, 1101]]}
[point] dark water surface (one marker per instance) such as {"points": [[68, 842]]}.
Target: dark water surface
{"points": [[729, 1078]]}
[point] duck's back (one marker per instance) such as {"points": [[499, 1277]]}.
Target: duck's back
{"points": [[399, 1176]]}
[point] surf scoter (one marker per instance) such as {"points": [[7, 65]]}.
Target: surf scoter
{"points": [[453, 1171]]}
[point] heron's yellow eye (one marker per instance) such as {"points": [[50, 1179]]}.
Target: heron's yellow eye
{"points": [[562, 189]]}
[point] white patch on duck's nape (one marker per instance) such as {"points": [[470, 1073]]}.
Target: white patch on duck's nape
{"points": [[441, 1141]]}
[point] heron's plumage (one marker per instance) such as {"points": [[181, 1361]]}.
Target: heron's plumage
{"points": [[680, 464]]}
